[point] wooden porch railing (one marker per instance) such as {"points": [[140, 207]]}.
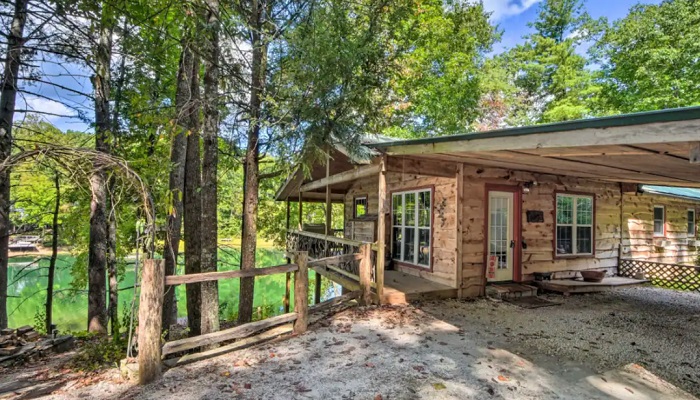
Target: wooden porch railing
{"points": [[153, 282], [319, 246], [673, 276]]}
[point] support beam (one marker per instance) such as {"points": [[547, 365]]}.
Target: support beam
{"points": [[301, 212], [288, 275], [329, 206], [446, 169], [346, 176], [365, 297], [317, 288], [381, 230], [459, 196]]}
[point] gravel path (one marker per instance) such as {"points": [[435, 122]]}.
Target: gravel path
{"points": [[455, 350], [656, 328]]}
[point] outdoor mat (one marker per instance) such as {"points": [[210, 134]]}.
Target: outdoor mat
{"points": [[531, 302]]}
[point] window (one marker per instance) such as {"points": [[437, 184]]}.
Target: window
{"points": [[691, 222], [411, 220], [659, 221], [360, 206], [574, 228]]}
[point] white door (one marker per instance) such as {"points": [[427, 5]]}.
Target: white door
{"points": [[499, 261]]}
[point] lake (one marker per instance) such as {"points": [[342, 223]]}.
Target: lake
{"points": [[27, 282]]}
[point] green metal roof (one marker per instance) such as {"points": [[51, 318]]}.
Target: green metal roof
{"points": [[647, 117], [685, 193]]}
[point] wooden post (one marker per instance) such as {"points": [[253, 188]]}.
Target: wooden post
{"points": [[150, 321], [317, 288], [694, 153], [459, 195], [381, 230], [365, 274], [301, 212], [288, 276], [329, 205], [301, 293]]}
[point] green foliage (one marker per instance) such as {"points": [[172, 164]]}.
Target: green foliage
{"points": [[97, 352], [649, 59], [40, 321], [546, 70]]}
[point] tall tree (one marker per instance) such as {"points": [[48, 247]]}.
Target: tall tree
{"points": [[256, 27], [649, 59], [99, 225], [546, 68], [210, 136], [15, 42], [178, 150], [192, 205]]}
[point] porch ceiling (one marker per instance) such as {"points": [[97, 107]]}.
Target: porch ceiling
{"points": [[651, 148], [290, 190]]}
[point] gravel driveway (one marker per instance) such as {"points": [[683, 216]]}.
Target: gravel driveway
{"points": [[481, 349], [656, 328]]}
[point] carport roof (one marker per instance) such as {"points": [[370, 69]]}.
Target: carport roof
{"points": [[685, 193], [652, 148]]}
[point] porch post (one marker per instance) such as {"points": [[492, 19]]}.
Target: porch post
{"points": [[459, 196], [288, 276], [381, 230], [301, 212], [329, 205]]}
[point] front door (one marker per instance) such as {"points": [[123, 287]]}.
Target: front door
{"points": [[501, 245]]}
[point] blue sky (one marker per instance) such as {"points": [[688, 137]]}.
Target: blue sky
{"points": [[511, 16]]}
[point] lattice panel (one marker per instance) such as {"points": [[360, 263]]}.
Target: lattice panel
{"points": [[674, 276]]}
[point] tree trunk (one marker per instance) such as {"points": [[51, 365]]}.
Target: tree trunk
{"points": [[210, 135], [7, 113], [99, 226], [113, 305], [54, 255], [252, 172], [178, 149], [193, 207]]}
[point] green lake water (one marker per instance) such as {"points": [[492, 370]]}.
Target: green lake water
{"points": [[27, 290]]}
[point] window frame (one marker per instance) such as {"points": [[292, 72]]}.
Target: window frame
{"points": [[574, 225], [663, 221], [354, 205], [694, 232], [398, 260]]}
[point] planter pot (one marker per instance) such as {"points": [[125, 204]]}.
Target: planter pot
{"points": [[593, 276]]}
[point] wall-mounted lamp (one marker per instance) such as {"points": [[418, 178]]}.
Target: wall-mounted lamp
{"points": [[528, 185]]}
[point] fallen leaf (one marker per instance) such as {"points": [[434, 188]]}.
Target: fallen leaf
{"points": [[369, 365], [503, 378], [439, 386], [378, 397], [247, 386]]}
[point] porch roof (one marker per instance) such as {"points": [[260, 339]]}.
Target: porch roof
{"points": [[653, 148]]}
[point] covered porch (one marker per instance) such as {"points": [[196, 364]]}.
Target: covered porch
{"points": [[337, 253]]}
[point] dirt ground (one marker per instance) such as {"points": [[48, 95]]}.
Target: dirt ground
{"points": [[484, 349]]}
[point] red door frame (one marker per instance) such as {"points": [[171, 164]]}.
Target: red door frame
{"points": [[517, 226]]}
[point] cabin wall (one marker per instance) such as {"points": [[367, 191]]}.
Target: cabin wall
{"points": [[444, 219], [638, 241], [539, 255]]}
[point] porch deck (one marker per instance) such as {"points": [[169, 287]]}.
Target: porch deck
{"points": [[401, 288], [567, 286]]}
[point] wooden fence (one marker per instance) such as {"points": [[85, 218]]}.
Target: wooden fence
{"points": [[153, 282], [673, 276]]}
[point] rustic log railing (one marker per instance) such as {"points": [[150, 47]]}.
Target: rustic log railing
{"points": [[151, 308], [320, 246], [674, 276]]}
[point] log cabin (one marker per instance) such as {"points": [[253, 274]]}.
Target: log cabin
{"points": [[448, 216]]}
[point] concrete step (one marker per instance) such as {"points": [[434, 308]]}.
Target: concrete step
{"points": [[510, 290]]}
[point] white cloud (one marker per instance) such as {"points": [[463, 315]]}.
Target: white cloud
{"points": [[48, 109], [502, 9]]}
